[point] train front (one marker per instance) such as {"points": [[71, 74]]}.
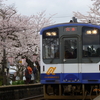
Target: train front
{"points": [[70, 60]]}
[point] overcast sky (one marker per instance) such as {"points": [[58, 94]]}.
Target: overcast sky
{"points": [[62, 8]]}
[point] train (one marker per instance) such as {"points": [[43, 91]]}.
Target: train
{"points": [[70, 60]]}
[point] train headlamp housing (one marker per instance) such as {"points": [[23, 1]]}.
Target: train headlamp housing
{"points": [[92, 31], [51, 34]]}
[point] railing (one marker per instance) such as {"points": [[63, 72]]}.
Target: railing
{"points": [[17, 92]]}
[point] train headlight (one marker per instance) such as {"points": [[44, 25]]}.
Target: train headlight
{"points": [[94, 31], [48, 33], [89, 32], [53, 33]]}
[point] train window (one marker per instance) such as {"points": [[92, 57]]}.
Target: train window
{"points": [[91, 42], [70, 48], [50, 48]]}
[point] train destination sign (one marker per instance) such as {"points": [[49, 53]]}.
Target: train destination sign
{"points": [[72, 29]]}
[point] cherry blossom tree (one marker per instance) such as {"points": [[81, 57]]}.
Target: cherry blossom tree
{"points": [[19, 35], [10, 23], [28, 35], [29, 38], [93, 15]]}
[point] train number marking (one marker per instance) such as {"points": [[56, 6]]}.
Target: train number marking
{"points": [[51, 71]]}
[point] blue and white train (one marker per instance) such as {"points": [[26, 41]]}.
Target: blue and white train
{"points": [[70, 61]]}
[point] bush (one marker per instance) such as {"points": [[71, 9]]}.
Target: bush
{"points": [[21, 82], [14, 82], [0, 83], [18, 82]]}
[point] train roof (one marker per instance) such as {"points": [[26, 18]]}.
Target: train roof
{"points": [[70, 24]]}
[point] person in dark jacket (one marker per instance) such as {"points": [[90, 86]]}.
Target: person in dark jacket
{"points": [[36, 72]]}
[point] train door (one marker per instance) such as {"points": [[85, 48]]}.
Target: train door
{"points": [[70, 58]]}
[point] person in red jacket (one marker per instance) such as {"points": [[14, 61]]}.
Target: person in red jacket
{"points": [[28, 72]]}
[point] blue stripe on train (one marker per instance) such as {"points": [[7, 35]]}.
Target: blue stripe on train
{"points": [[70, 24], [86, 78]]}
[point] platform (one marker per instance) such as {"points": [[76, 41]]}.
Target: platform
{"points": [[97, 98]]}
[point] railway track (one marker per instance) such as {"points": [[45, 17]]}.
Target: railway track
{"points": [[41, 97], [38, 97]]}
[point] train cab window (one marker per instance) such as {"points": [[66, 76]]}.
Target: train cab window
{"points": [[70, 48], [50, 48], [91, 42], [50, 43]]}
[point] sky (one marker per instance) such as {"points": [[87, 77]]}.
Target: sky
{"points": [[61, 9]]}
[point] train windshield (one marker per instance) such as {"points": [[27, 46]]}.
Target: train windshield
{"points": [[91, 42], [50, 48], [70, 47]]}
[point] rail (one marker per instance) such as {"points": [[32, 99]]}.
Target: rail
{"points": [[17, 92], [33, 97]]}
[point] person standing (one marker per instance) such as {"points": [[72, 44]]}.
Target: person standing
{"points": [[36, 73], [28, 72]]}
